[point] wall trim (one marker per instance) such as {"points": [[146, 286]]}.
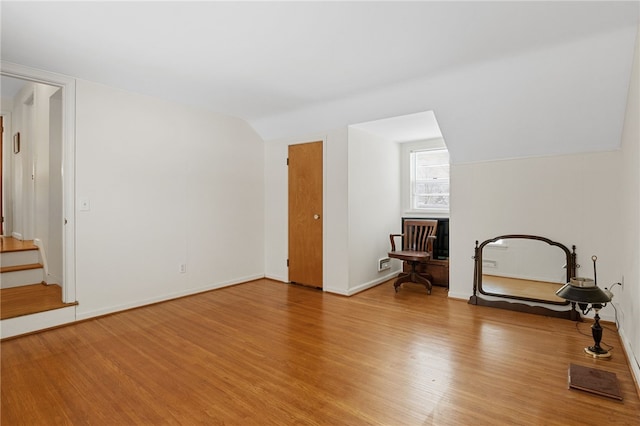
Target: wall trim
{"points": [[164, 298], [631, 361], [365, 286]]}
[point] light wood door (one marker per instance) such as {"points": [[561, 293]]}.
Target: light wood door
{"points": [[305, 214]]}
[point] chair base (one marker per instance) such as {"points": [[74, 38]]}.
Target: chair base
{"points": [[413, 277]]}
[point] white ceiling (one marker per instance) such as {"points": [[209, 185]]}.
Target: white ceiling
{"points": [[258, 60], [404, 128]]}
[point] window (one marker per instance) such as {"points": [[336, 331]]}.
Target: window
{"points": [[425, 177], [429, 175]]}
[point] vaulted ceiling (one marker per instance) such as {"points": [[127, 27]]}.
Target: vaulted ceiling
{"points": [[279, 63]]}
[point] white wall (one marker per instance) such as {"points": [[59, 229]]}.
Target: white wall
{"points": [[23, 119], [572, 199], [167, 185], [42, 175], [374, 206], [276, 229], [55, 248], [336, 264], [629, 296]]}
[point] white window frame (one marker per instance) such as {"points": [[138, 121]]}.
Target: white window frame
{"points": [[406, 149]]}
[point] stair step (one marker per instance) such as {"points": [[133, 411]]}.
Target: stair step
{"points": [[9, 244], [16, 268], [24, 324], [20, 257], [30, 299], [22, 277]]}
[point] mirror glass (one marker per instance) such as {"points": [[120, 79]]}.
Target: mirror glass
{"points": [[524, 267]]}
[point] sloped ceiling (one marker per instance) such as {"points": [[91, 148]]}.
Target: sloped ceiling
{"points": [[295, 67]]}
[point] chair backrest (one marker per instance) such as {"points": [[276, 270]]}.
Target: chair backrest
{"points": [[417, 233]]}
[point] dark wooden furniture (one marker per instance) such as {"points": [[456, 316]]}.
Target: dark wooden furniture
{"points": [[417, 249], [437, 268], [508, 297]]}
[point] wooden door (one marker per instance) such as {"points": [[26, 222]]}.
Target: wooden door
{"points": [[305, 214]]}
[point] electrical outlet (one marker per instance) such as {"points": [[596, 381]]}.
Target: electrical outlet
{"points": [[183, 268]]}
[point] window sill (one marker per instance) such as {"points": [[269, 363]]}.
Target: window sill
{"points": [[421, 213]]}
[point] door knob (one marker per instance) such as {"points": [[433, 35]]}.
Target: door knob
{"points": [[316, 216]]}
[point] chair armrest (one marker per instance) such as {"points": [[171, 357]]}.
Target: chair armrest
{"points": [[393, 243], [430, 240]]}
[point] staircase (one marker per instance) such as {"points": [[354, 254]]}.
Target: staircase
{"points": [[19, 263], [27, 303]]}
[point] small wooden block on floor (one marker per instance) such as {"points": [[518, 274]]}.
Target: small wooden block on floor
{"points": [[595, 381]]}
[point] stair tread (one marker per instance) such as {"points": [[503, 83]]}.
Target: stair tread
{"points": [[13, 250], [30, 299], [25, 267], [8, 244]]}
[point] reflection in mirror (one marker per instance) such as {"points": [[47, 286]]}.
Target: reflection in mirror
{"points": [[523, 267], [531, 269]]}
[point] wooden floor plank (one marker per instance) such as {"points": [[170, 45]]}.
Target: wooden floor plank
{"points": [[268, 353]]}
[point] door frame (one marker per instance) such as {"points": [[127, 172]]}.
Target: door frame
{"points": [[68, 86]]}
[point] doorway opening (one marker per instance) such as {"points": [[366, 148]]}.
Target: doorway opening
{"points": [[38, 188]]}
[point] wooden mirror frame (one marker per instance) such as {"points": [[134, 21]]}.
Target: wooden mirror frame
{"points": [[571, 314]]}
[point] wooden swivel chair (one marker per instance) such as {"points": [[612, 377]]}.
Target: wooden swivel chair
{"points": [[417, 248]]}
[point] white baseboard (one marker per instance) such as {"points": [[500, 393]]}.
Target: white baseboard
{"points": [[137, 304], [342, 291], [332, 290], [362, 287], [459, 296], [277, 278], [632, 359]]}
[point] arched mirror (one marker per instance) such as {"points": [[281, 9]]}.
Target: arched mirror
{"points": [[526, 268]]}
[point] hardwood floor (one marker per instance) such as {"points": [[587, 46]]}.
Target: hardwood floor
{"points": [[268, 353]]}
